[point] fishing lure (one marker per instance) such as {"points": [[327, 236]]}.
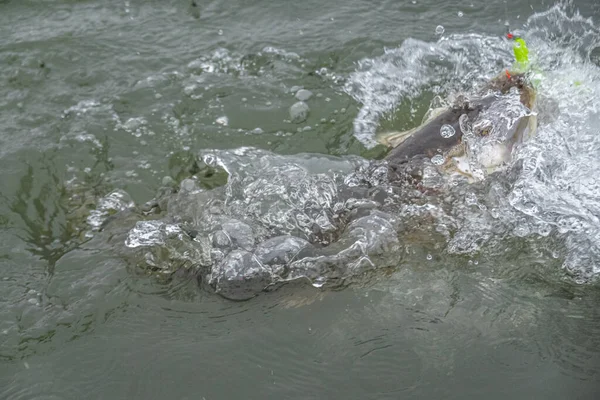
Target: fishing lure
{"points": [[521, 53]]}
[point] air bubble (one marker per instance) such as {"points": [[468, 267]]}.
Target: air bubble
{"points": [[439, 30], [438, 159], [447, 131]]}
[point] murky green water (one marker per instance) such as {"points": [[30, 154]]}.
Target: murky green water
{"points": [[103, 93]]}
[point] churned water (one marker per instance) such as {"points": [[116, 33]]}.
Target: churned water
{"points": [[455, 291]]}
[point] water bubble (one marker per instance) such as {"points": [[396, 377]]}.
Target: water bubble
{"points": [[439, 30], [447, 131], [521, 230], [220, 32], [222, 121], [168, 181], [299, 112], [460, 14], [303, 94], [438, 159], [429, 257]]}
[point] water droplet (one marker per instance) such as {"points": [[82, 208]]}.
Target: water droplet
{"points": [[439, 30], [438, 159], [222, 121], [220, 32], [460, 14], [447, 131], [429, 257]]}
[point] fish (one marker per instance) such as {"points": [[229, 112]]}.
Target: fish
{"points": [[483, 119]]}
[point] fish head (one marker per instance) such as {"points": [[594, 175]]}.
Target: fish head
{"points": [[475, 136]]}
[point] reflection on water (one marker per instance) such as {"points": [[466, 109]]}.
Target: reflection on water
{"points": [[445, 290]]}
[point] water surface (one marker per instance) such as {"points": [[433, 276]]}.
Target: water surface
{"points": [[98, 96]]}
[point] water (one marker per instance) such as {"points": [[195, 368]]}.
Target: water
{"points": [[490, 290]]}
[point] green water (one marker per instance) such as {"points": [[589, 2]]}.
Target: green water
{"points": [[102, 93]]}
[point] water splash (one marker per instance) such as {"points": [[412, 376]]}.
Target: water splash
{"points": [[328, 219], [550, 189]]}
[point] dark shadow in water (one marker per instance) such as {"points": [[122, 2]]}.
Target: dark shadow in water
{"points": [[54, 213]]}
